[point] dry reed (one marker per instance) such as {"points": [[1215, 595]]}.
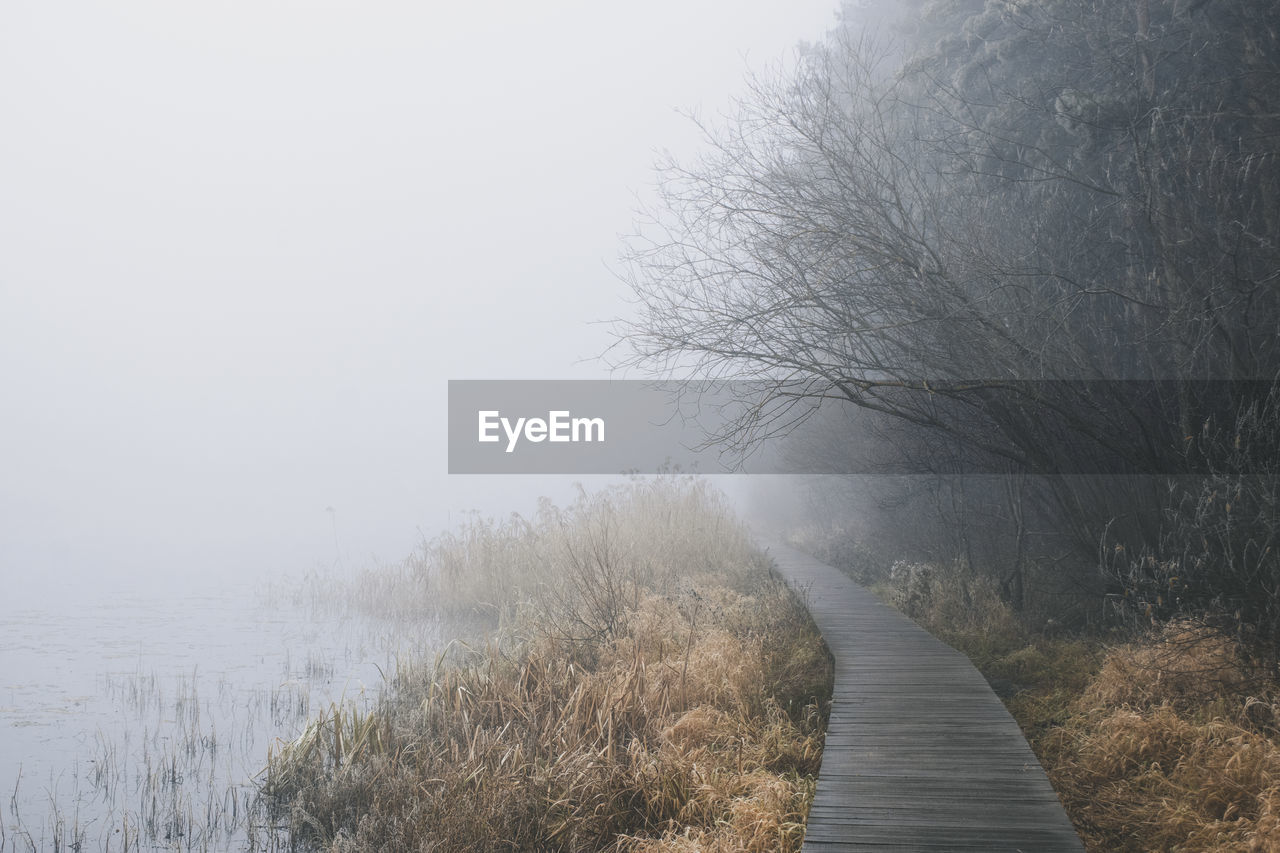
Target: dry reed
{"points": [[653, 687], [1167, 742]]}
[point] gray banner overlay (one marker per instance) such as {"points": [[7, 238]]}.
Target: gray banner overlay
{"points": [[981, 427], [583, 427]]}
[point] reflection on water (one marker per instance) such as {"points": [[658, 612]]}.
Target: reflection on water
{"points": [[140, 721]]}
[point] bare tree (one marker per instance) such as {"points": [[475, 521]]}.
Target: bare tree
{"points": [[1029, 236]]}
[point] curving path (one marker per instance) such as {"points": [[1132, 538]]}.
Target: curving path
{"points": [[920, 754]]}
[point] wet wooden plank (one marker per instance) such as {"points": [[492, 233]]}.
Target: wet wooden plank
{"points": [[920, 753]]}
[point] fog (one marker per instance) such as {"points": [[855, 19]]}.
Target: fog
{"points": [[244, 245]]}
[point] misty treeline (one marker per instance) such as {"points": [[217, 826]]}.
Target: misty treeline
{"points": [[1026, 256]]}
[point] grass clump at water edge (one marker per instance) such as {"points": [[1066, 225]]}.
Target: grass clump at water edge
{"points": [[646, 685]]}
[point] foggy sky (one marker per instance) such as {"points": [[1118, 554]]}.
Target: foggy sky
{"points": [[244, 245]]}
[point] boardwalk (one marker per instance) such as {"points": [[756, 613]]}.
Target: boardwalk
{"points": [[920, 754]]}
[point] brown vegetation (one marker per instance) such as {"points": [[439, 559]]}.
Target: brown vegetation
{"points": [[1169, 741], [1161, 739], [1171, 746], [654, 700]]}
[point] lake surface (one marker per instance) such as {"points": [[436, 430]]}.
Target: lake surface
{"points": [[140, 719]]}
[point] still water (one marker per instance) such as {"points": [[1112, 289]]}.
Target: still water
{"points": [[140, 719]]}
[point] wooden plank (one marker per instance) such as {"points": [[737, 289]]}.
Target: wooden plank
{"points": [[920, 753]]}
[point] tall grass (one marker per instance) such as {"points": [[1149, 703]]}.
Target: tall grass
{"points": [[645, 684], [1171, 745], [1161, 740]]}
